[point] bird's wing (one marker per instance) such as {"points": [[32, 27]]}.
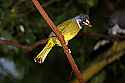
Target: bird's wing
{"points": [[62, 27]]}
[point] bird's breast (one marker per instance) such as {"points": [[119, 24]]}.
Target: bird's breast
{"points": [[69, 29]]}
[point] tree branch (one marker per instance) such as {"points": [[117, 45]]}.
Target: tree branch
{"points": [[99, 35], [117, 51], [15, 43], [97, 65], [43, 41], [60, 38], [18, 45]]}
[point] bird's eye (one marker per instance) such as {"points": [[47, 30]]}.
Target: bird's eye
{"points": [[84, 20]]}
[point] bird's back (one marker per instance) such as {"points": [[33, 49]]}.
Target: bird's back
{"points": [[69, 29]]}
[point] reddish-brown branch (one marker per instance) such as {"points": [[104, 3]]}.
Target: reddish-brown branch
{"points": [[94, 34], [43, 41], [40, 42], [99, 35], [25, 47], [14, 43], [61, 39]]}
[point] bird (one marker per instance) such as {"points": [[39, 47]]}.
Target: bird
{"points": [[69, 30], [115, 28]]}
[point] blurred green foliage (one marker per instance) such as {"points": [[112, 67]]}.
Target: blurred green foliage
{"points": [[19, 20]]}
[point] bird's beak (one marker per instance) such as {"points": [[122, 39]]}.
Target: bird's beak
{"points": [[89, 25]]}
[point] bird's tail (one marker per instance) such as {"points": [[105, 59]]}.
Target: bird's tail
{"points": [[43, 54]]}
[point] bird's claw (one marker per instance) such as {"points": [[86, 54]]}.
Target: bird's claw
{"points": [[38, 60]]}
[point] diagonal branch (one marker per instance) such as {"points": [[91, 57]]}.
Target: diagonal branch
{"points": [[113, 54], [61, 39]]}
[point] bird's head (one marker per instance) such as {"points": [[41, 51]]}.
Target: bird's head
{"points": [[83, 20]]}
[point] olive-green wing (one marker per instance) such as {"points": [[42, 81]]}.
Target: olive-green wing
{"points": [[65, 25], [62, 27]]}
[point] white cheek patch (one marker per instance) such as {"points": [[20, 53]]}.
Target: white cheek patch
{"points": [[78, 24]]}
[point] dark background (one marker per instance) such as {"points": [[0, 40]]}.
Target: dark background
{"points": [[17, 65]]}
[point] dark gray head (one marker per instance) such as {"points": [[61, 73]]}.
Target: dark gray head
{"points": [[83, 20]]}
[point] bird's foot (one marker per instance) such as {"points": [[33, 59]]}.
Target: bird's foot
{"points": [[39, 59]]}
